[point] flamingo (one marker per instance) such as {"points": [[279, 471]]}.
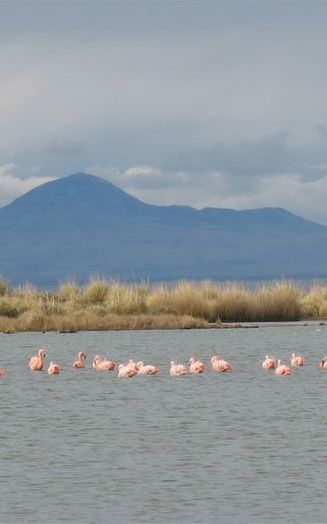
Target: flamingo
{"points": [[282, 369], [177, 369], [269, 363], [80, 362], [297, 360], [53, 369], [323, 362], [131, 364], [100, 364], [196, 366], [36, 363], [3, 372], [147, 369], [126, 371], [219, 365]]}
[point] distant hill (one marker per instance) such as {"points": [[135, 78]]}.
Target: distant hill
{"points": [[83, 225]]}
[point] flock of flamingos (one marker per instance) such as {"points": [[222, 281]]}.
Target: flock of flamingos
{"points": [[131, 368]]}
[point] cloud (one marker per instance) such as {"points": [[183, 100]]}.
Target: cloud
{"points": [[204, 106], [11, 186], [142, 171], [215, 189]]}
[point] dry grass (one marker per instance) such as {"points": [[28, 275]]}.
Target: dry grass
{"points": [[104, 305]]}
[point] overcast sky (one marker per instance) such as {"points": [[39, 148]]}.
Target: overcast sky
{"points": [[204, 103]]}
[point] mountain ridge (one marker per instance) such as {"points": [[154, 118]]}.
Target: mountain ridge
{"points": [[81, 225]]}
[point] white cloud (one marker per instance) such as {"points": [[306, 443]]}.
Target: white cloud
{"points": [[306, 198], [142, 171], [11, 186]]}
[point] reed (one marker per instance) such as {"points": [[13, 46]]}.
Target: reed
{"points": [[102, 305], [96, 291]]}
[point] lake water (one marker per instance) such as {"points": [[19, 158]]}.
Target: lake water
{"points": [[247, 447]]}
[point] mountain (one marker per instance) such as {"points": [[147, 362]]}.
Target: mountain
{"points": [[83, 225]]}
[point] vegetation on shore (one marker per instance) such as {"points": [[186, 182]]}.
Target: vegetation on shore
{"points": [[105, 305]]}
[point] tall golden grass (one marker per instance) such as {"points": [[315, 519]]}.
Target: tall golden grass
{"points": [[109, 304]]}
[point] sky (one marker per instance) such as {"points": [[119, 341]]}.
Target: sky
{"points": [[201, 103]]}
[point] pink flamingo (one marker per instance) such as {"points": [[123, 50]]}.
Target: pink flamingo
{"points": [[219, 365], [131, 364], [36, 363], [323, 363], [146, 369], [53, 369], [269, 363], [177, 370], [282, 369], [297, 360], [196, 366], [100, 364], [3, 372], [126, 371], [80, 362]]}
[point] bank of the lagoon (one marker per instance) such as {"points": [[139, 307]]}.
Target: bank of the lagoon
{"points": [[111, 305], [245, 447]]}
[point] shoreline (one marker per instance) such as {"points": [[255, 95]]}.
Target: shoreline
{"points": [[232, 325], [103, 305]]}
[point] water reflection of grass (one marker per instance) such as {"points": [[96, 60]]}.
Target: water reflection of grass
{"points": [[101, 305]]}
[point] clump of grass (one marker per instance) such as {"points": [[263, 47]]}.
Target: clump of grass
{"points": [[314, 303], [4, 287], [233, 304], [31, 321], [7, 309], [68, 292], [126, 300], [187, 299], [285, 302], [96, 291], [158, 299], [278, 302]]}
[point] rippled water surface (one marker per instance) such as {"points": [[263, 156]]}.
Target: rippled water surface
{"points": [[248, 447]]}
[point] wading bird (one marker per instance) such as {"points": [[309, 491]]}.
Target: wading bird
{"points": [[126, 371], [80, 362], [196, 366], [146, 369], [101, 364], [219, 365], [297, 360], [269, 363], [53, 369], [177, 370], [36, 363], [282, 369]]}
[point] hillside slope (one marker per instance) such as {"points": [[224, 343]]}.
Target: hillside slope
{"points": [[83, 225]]}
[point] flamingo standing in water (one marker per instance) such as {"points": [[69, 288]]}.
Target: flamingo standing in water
{"points": [[219, 365], [3, 372], [269, 363], [36, 363], [100, 364], [80, 362], [282, 369], [297, 360], [131, 364], [177, 370], [323, 362], [126, 371], [53, 369], [146, 369], [196, 366]]}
